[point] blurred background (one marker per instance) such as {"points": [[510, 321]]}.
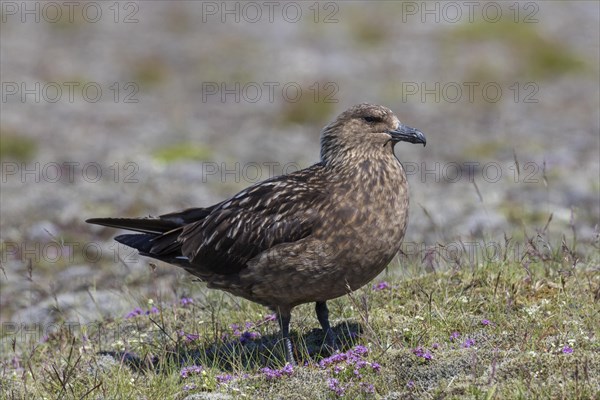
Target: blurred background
{"points": [[141, 108]]}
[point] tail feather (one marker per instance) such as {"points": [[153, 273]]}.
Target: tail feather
{"points": [[156, 225], [143, 225], [146, 243], [158, 236], [141, 242]]}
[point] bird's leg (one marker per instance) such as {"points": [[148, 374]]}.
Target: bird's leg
{"points": [[323, 317], [284, 317]]}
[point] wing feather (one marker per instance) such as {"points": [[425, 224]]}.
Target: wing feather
{"points": [[277, 211]]}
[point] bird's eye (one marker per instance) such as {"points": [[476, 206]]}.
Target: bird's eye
{"points": [[371, 119]]}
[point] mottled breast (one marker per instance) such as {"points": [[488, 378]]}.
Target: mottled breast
{"points": [[371, 208]]}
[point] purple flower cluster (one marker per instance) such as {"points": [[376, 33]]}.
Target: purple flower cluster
{"points": [[245, 335], [188, 337], [189, 387], [367, 387], [335, 386], [485, 322], [349, 367], [468, 342], [193, 370], [350, 357], [381, 286], [224, 378], [271, 374], [248, 336], [138, 311], [186, 301], [420, 352], [567, 350], [340, 389]]}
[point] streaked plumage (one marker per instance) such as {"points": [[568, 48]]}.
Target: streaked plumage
{"points": [[309, 236]]}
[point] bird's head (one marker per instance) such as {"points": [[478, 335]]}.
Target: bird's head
{"points": [[365, 126]]}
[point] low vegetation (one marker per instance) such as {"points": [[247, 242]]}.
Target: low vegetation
{"points": [[519, 323]]}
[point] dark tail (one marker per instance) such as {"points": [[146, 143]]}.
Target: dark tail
{"points": [[154, 226], [142, 242], [158, 235]]}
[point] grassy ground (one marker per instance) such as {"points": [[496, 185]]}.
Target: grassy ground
{"points": [[521, 324]]}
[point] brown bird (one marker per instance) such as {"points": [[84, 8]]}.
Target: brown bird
{"points": [[309, 236]]}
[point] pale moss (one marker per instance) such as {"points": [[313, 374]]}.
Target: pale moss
{"points": [[182, 152], [16, 147], [537, 56]]}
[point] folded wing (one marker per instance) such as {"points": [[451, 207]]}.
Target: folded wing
{"points": [[221, 239]]}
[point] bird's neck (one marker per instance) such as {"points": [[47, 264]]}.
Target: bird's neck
{"points": [[365, 162]]}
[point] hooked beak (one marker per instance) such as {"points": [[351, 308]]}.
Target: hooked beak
{"points": [[407, 134]]}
